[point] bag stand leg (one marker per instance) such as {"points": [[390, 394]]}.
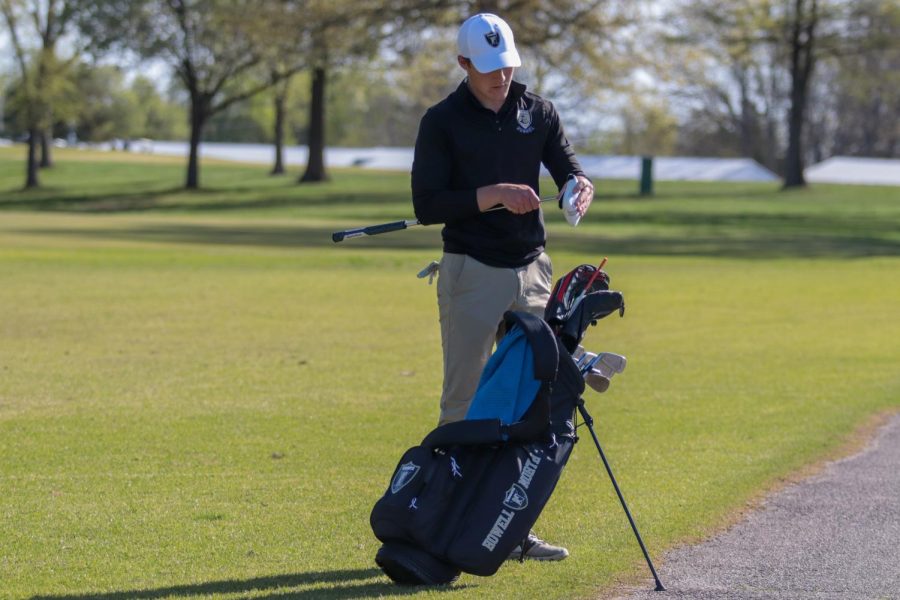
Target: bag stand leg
{"points": [[589, 421]]}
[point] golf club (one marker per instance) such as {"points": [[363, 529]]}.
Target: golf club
{"points": [[599, 369], [340, 236], [606, 363]]}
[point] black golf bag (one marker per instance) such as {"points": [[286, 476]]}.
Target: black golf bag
{"points": [[469, 493], [465, 497]]}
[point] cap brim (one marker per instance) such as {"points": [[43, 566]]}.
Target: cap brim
{"points": [[486, 64]]}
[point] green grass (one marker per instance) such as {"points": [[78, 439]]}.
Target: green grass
{"points": [[202, 396]]}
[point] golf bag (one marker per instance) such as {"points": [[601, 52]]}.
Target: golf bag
{"points": [[470, 492], [465, 497]]}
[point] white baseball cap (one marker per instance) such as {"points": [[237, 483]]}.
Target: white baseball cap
{"points": [[487, 41]]}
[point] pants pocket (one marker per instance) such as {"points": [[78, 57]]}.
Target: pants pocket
{"points": [[449, 272]]}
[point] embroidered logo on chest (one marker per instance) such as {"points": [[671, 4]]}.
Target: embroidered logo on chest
{"points": [[523, 118]]}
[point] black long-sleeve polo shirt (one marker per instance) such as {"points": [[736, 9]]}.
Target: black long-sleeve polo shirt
{"points": [[463, 146]]}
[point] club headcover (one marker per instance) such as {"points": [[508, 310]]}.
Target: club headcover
{"points": [[593, 306], [568, 289]]}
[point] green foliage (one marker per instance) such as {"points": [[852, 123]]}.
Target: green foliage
{"points": [[650, 129], [107, 108], [158, 118]]}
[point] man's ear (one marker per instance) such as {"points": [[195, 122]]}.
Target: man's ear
{"points": [[463, 62]]}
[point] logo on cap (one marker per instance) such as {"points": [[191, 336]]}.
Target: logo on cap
{"points": [[493, 38]]}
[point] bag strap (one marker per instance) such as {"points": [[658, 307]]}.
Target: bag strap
{"points": [[472, 432], [542, 341], [491, 431]]}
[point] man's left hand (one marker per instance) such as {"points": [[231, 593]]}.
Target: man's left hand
{"points": [[584, 194]]}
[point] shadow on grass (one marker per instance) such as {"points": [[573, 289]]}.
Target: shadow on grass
{"points": [[277, 586], [177, 199], [147, 195], [746, 242]]}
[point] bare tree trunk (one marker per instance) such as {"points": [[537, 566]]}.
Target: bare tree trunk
{"points": [[793, 168], [31, 175], [772, 159], [315, 164], [199, 115], [46, 145], [748, 116], [802, 39], [280, 100]]}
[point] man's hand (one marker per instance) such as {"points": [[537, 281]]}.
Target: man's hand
{"points": [[517, 198], [584, 194]]}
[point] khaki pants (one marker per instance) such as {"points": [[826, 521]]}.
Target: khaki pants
{"points": [[472, 298]]}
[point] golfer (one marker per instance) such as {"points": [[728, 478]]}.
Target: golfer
{"points": [[478, 149]]}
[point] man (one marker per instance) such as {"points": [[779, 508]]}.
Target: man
{"points": [[476, 169]]}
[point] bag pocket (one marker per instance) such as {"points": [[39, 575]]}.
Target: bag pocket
{"points": [[520, 482], [390, 518]]}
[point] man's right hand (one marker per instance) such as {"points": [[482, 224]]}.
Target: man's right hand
{"points": [[517, 198]]}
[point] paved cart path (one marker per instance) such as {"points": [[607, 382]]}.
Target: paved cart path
{"points": [[833, 536]]}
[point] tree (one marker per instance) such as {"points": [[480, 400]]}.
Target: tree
{"points": [[279, 103], [338, 32], [215, 48], [801, 28], [342, 32], [856, 94], [106, 109], [287, 49], [772, 49], [41, 72], [720, 59], [649, 128]]}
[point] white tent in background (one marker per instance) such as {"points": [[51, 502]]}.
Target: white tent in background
{"points": [[665, 168], [858, 171], [674, 168]]}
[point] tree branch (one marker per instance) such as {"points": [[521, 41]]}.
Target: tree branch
{"points": [[11, 22]]}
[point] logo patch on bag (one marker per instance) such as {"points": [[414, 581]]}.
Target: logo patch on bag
{"points": [[523, 118], [516, 498], [404, 475]]}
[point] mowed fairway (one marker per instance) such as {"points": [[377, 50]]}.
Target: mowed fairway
{"points": [[202, 396]]}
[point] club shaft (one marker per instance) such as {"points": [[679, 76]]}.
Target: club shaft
{"points": [[590, 282], [340, 236], [589, 421]]}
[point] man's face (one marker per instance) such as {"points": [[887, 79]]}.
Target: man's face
{"points": [[493, 86]]}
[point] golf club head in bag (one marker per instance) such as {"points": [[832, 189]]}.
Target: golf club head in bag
{"points": [[599, 369], [586, 312], [569, 289]]}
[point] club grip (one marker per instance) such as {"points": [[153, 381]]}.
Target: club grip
{"points": [[340, 236]]}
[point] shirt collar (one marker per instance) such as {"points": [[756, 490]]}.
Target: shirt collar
{"points": [[466, 98]]}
